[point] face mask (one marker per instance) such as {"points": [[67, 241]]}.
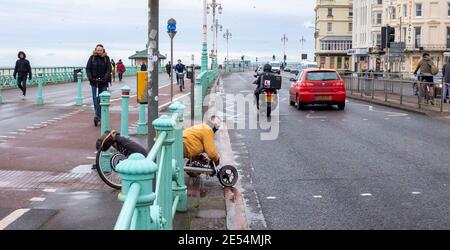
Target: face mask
{"points": [[215, 129]]}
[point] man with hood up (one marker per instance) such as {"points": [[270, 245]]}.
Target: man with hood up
{"points": [[23, 69], [98, 71]]}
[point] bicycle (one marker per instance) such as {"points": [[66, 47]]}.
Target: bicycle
{"points": [[180, 80], [427, 88]]}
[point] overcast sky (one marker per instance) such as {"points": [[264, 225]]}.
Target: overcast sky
{"points": [[64, 32]]}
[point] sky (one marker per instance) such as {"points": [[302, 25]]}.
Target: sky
{"points": [[65, 32]]}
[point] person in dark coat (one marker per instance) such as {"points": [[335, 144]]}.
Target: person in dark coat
{"points": [[169, 69], [446, 78], [98, 71], [144, 67], [21, 71], [113, 70]]}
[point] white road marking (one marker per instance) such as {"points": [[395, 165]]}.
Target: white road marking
{"points": [[366, 195], [415, 193], [12, 217], [3, 136], [315, 117], [30, 127], [37, 199], [271, 198], [365, 119], [12, 137], [13, 133], [49, 190], [317, 197], [387, 118], [91, 158]]}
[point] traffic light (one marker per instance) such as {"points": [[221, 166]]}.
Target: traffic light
{"points": [[391, 36], [273, 57], [242, 58], [387, 36], [285, 57]]}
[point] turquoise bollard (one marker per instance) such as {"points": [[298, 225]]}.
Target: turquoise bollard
{"points": [[125, 108], [165, 195], [79, 100], [105, 103], [142, 128], [178, 184], [1, 99], [40, 98], [137, 174]]}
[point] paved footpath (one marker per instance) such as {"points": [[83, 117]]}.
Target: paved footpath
{"points": [[46, 153]]}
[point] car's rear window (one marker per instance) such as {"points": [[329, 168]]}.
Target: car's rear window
{"points": [[322, 76]]}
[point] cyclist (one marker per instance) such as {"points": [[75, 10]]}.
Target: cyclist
{"points": [[426, 76], [179, 70], [197, 140]]}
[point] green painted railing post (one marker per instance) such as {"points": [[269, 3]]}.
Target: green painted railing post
{"points": [[40, 99], [137, 170], [105, 103], [164, 193], [1, 99], [198, 96], [105, 126], [142, 128], [125, 108], [205, 57], [178, 185], [79, 100]]}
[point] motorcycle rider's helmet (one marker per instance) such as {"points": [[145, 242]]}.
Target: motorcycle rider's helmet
{"points": [[267, 68]]}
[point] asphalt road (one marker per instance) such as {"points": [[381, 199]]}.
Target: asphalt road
{"points": [[369, 167]]}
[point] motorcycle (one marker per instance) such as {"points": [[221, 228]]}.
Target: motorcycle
{"points": [[268, 99]]}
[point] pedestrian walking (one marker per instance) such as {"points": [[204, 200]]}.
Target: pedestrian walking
{"points": [[169, 69], [120, 69], [144, 66], [98, 71], [21, 71], [113, 70], [446, 79]]}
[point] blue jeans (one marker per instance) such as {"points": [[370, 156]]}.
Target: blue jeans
{"points": [[96, 91]]}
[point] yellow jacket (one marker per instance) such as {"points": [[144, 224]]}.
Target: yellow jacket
{"points": [[198, 140]]}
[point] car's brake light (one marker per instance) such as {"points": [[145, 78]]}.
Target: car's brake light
{"points": [[339, 83]]}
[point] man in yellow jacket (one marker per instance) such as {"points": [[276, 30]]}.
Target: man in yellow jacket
{"points": [[200, 139]]}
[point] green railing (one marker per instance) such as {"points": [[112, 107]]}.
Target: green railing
{"points": [[202, 83], [50, 75], [145, 208]]}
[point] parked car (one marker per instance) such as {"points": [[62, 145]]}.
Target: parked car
{"points": [[287, 69], [317, 86]]}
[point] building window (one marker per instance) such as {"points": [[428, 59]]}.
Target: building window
{"points": [[331, 62], [448, 10], [379, 1], [394, 13], [379, 18], [378, 39], [418, 40], [329, 27], [403, 35], [405, 10], [350, 12], [330, 12], [448, 37], [339, 62], [350, 27], [418, 9]]}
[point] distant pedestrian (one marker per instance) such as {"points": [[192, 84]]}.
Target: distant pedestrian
{"points": [[427, 71], [169, 69], [21, 71], [144, 66], [446, 78], [98, 71], [120, 69], [113, 70]]}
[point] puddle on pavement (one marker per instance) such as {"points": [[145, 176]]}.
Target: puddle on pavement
{"points": [[82, 169]]}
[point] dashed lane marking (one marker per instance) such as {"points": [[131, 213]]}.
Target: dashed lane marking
{"points": [[271, 198], [37, 199], [12, 217], [366, 195], [416, 193], [317, 197], [49, 190]]}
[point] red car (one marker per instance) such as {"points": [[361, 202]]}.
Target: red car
{"points": [[318, 86]]}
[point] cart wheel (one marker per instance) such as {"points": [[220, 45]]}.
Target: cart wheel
{"points": [[228, 176]]}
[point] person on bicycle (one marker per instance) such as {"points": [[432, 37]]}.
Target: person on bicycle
{"points": [[425, 66], [98, 71], [179, 70], [259, 87], [199, 140], [446, 75]]}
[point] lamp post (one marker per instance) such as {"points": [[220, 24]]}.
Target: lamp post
{"points": [[284, 39], [227, 36], [172, 31], [205, 37], [302, 41], [214, 5]]}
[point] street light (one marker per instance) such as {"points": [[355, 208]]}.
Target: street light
{"points": [[172, 31], [215, 27], [284, 39], [227, 36], [302, 41]]}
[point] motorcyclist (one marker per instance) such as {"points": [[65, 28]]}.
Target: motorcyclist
{"points": [[267, 70]]}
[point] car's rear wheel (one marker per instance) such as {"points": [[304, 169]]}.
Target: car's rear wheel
{"points": [[341, 106], [300, 106]]}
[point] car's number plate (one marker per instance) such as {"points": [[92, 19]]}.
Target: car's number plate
{"points": [[324, 98]]}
